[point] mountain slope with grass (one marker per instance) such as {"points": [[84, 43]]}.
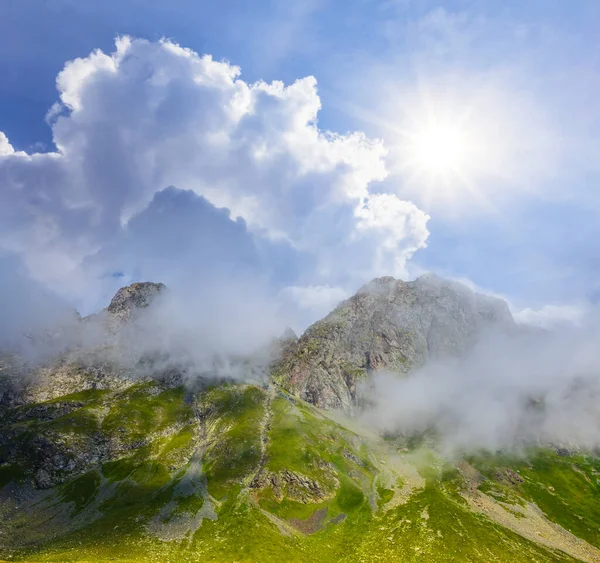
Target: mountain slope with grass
{"points": [[99, 465]]}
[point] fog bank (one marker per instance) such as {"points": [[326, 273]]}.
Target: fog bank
{"points": [[538, 387]]}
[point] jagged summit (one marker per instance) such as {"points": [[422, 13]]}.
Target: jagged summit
{"points": [[388, 324], [135, 296]]}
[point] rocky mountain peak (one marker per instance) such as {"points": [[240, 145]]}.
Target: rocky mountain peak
{"points": [[135, 296], [391, 325]]}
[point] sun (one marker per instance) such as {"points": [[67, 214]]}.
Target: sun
{"points": [[461, 146], [438, 148], [443, 156]]}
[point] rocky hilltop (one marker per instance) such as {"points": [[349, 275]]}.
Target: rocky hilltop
{"points": [[99, 463], [133, 298], [388, 325]]}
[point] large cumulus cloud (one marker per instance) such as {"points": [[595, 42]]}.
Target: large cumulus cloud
{"points": [[153, 115]]}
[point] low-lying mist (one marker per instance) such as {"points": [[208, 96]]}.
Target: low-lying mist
{"points": [[219, 330], [536, 387], [225, 332]]}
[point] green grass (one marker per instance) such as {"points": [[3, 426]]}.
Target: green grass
{"points": [[119, 469], [233, 418], [82, 421], [137, 412], [314, 448], [565, 488], [433, 527], [384, 495], [80, 491], [178, 447], [238, 430]]}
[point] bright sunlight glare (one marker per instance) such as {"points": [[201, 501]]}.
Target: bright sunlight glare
{"points": [[459, 144], [446, 155], [440, 148]]}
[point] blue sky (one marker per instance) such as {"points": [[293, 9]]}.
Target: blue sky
{"points": [[507, 199]]}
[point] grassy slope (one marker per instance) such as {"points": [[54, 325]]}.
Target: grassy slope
{"points": [[250, 475], [565, 488]]}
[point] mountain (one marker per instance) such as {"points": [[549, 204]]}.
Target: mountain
{"points": [[389, 324], [103, 461]]}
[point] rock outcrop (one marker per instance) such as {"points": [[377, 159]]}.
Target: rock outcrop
{"points": [[133, 298], [389, 324]]}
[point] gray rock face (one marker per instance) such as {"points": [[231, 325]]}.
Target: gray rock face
{"points": [[389, 324], [135, 296], [68, 376]]}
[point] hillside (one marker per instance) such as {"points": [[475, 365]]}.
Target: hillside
{"points": [[99, 463]]}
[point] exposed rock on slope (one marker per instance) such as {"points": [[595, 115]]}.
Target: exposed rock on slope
{"points": [[388, 324]]}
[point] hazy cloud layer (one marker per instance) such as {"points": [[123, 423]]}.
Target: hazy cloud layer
{"points": [[551, 316], [539, 387]]}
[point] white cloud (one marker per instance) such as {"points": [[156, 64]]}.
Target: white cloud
{"points": [[507, 392], [395, 224], [153, 114], [550, 316], [317, 296], [5, 146], [306, 304]]}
